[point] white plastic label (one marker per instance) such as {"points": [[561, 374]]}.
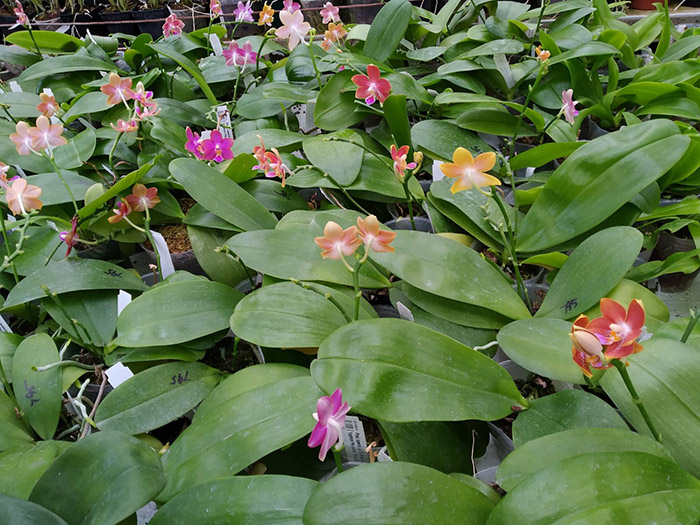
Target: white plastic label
{"points": [[354, 440], [117, 374], [437, 172], [14, 86], [404, 311], [224, 119], [4, 326], [166, 261], [216, 44], [123, 299]]}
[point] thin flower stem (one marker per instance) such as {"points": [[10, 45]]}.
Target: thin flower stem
{"points": [[60, 176], [622, 368], [257, 57], [111, 153], [691, 326], [347, 195], [6, 242], [211, 21], [338, 460], [530, 90], [147, 228], [31, 35], [6, 384], [356, 286], [409, 203], [8, 259], [313, 61], [328, 296], [539, 21]]}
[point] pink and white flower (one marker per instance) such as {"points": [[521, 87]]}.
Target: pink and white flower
{"points": [[329, 13], [330, 416], [293, 28], [244, 12], [240, 56], [291, 6], [215, 8], [172, 26], [46, 135], [568, 107], [22, 18]]}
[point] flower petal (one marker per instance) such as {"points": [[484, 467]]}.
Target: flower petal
{"points": [[463, 157], [485, 161], [612, 310]]}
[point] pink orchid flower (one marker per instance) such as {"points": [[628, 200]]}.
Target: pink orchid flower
{"points": [[71, 237], [260, 155], [124, 126], [217, 148], [117, 90], [172, 26], [277, 166], [46, 135], [371, 87], [22, 197], [291, 6], [146, 112], [194, 143], [22, 18], [48, 105], [329, 13], [22, 139], [123, 208], [215, 8], [141, 95], [293, 28], [568, 107], [330, 416], [240, 56], [142, 197], [244, 12], [399, 157]]}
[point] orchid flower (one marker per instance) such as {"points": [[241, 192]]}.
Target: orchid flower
{"points": [[586, 349], [22, 18], [329, 13], [215, 8], [46, 135], [141, 95], [22, 197], [277, 166], [335, 33], [142, 198], [122, 210], [240, 56], [217, 148], [267, 15], [293, 28], [568, 107], [291, 6], [261, 156], [146, 112], [194, 143], [373, 237], [470, 172], [3, 173], [330, 416], [244, 12], [124, 126], [371, 87], [117, 90], [22, 139], [399, 158], [71, 237], [337, 242], [48, 105], [542, 54], [172, 26]]}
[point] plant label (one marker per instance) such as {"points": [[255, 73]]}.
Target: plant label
{"points": [[117, 374], [123, 299], [166, 261], [404, 311], [4, 325], [354, 440], [216, 44], [437, 172], [15, 87], [223, 117]]}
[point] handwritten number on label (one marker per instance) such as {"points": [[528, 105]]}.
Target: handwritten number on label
{"points": [[570, 305], [179, 378]]}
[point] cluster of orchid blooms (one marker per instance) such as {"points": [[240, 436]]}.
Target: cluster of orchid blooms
{"points": [[338, 243], [118, 90]]}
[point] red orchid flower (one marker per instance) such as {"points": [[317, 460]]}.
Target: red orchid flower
{"points": [[122, 210], [619, 329], [371, 87], [71, 237]]}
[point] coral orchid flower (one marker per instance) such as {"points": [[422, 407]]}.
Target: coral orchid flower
{"points": [[619, 329], [172, 26], [293, 28], [22, 139], [330, 416], [22, 18], [260, 155], [586, 349], [399, 158], [217, 148], [371, 86], [122, 210], [124, 126], [46, 135], [267, 15], [470, 172], [117, 90], [373, 237], [215, 8], [335, 33], [329, 13], [194, 143], [542, 54], [22, 197], [71, 237], [48, 105], [142, 198], [337, 241], [568, 107], [243, 12]]}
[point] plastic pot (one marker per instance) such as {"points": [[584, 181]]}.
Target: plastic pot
{"points": [[155, 29], [128, 28]]}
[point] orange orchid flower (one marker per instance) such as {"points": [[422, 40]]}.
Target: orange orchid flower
{"points": [[373, 237], [142, 197], [267, 15], [542, 54], [48, 105], [46, 135], [22, 197], [337, 242], [122, 210], [470, 172], [117, 90], [22, 139]]}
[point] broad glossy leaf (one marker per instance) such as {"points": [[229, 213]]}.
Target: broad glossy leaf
{"points": [[443, 267], [65, 64], [37, 248], [665, 377], [302, 258], [49, 42], [218, 266], [72, 275], [155, 397], [634, 487], [335, 106], [594, 268], [176, 313], [281, 139], [100, 480], [38, 394], [221, 196], [539, 454], [188, 66], [495, 120], [594, 182], [273, 196], [240, 431], [21, 105], [307, 315], [21, 512], [121, 185], [78, 150], [13, 432], [543, 347], [245, 499], [441, 138], [94, 310], [565, 410], [396, 493], [380, 364], [627, 290], [387, 29], [93, 102], [544, 153], [326, 155], [53, 190], [21, 468]]}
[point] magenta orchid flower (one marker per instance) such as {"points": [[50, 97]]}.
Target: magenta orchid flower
{"points": [[371, 86], [194, 143], [141, 95], [330, 416], [240, 56], [293, 28], [291, 6], [71, 237], [329, 13], [217, 148], [215, 8], [147, 112], [172, 26], [244, 12], [568, 107], [22, 18]]}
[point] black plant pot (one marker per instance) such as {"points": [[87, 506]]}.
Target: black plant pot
{"points": [[155, 29], [11, 20], [362, 15], [129, 28], [667, 245], [81, 30]]}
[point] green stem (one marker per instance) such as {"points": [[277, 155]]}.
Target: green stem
{"points": [[31, 35], [6, 384], [530, 90], [147, 228], [60, 176], [347, 195], [539, 21], [328, 296], [7, 246], [211, 21], [257, 57], [338, 460], [691, 326], [356, 287], [313, 61], [111, 153], [409, 203], [7, 261], [622, 368]]}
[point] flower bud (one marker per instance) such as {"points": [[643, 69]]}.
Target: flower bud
{"points": [[587, 343]]}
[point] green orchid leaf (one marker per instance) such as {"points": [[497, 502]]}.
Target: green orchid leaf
{"points": [[21, 512], [21, 468], [387, 29]]}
